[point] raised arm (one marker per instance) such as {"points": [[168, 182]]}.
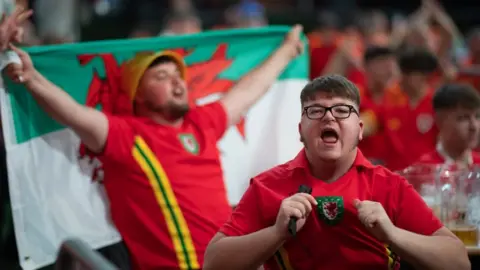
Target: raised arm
{"points": [[255, 84], [89, 124]]}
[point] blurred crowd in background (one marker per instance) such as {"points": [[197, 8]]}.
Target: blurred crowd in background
{"points": [[58, 21]]}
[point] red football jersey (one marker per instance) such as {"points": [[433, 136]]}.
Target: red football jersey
{"points": [[319, 58], [374, 146], [165, 186], [409, 132], [332, 237]]}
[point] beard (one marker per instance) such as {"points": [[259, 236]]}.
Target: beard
{"points": [[172, 110]]}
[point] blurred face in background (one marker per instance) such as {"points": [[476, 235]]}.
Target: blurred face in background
{"points": [[250, 22], [249, 14], [459, 128], [381, 71], [413, 81], [374, 27], [379, 22], [187, 25]]}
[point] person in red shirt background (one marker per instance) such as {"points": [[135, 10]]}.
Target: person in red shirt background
{"points": [[358, 216], [162, 169], [380, 69], [323, 42], [408, 122], [457, 115]]}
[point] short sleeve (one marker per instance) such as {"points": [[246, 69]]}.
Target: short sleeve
{"points": [[246, 218], [411, 211], [212, 116], [119, 140]]}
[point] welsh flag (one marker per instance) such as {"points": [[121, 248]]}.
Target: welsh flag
{"points": [[56, 189]]}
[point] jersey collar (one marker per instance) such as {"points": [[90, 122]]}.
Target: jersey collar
{"points": [[467, 160], [301, 161]]}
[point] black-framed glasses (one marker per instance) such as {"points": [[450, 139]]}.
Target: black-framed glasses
{"points": [[339, 111]]}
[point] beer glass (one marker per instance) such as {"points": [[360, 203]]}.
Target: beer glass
{"points": [[459, 208], [424, 178]]}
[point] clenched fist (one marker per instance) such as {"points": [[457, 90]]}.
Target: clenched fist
{"points": [[299, 206], [375, 219], [20, 73]]}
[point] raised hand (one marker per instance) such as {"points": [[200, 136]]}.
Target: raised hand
{"points": [[20, 73], [11, 29], [293, 38]]}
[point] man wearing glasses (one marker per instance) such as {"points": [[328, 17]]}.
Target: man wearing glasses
{"points": [[358, 216]]}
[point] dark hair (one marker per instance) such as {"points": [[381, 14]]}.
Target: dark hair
{"points": [[331, 85], [417, 60], [452, 96], [161, 60], [374, 52]]}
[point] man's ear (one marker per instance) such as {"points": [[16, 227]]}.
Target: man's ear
{"points": [[360, 134], [300, 131]]}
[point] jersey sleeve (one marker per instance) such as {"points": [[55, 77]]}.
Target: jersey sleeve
{"points": [[411, 211], [119, 141], [213, 116], [246, 218]]}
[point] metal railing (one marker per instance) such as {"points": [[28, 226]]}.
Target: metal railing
{"points": [[74, 254]]}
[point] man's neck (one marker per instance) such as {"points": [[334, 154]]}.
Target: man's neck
{"points": [[331, 171], [159, 118], [451, 151], [415, 95]]}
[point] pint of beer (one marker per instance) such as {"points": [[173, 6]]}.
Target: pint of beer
{"points": [[467, 233]]}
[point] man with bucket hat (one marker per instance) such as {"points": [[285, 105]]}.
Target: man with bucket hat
{"points": [[163, 175]]}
